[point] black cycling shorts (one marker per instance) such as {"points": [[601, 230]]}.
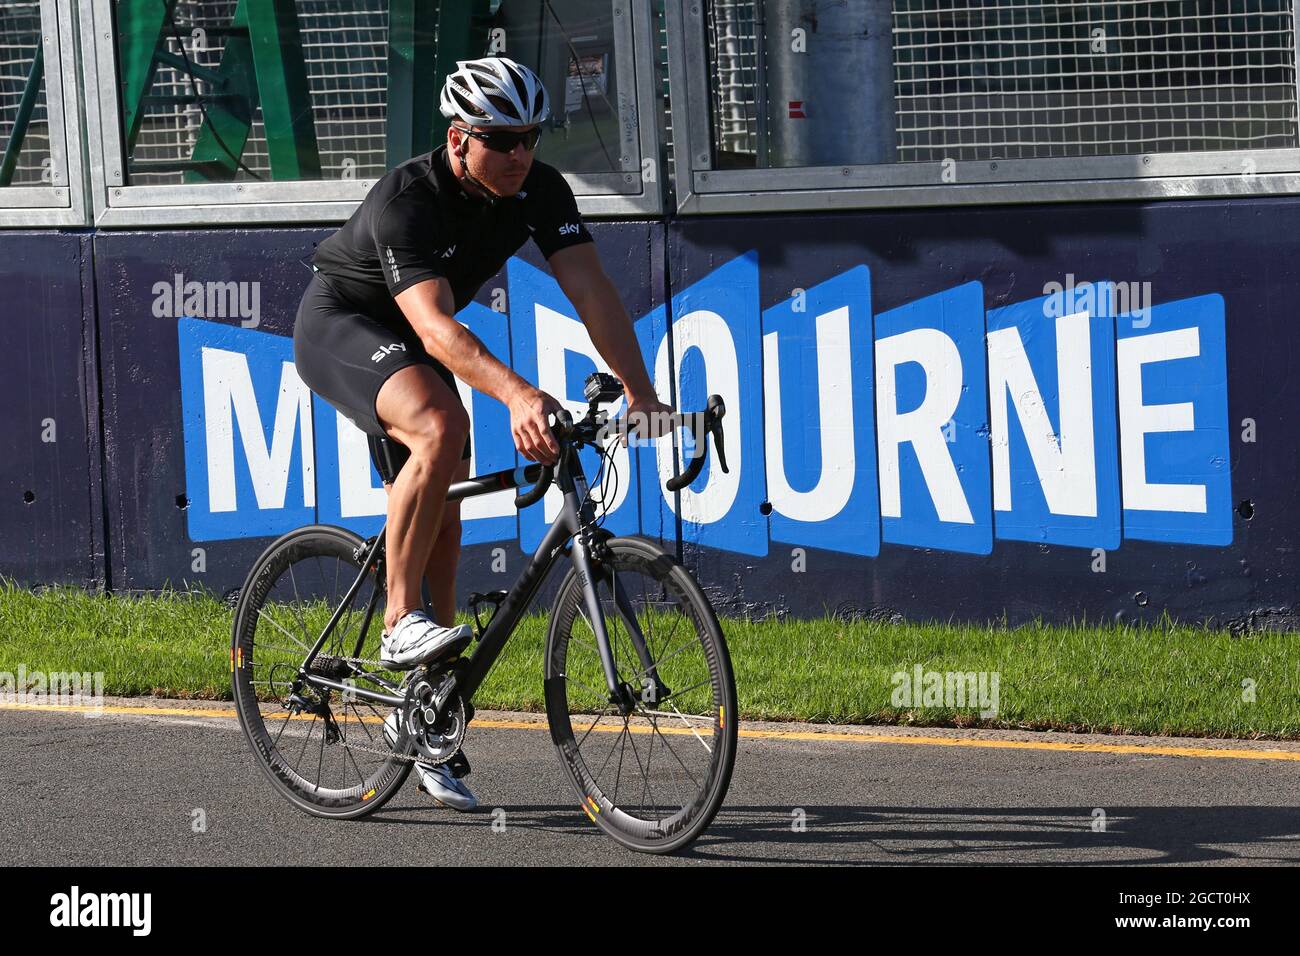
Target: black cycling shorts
{"points": [[345, 357]]}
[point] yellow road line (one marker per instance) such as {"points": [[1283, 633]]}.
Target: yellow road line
{"points": [[613, 727]]}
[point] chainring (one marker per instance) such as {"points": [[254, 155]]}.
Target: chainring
{"points": [[434, 715]]}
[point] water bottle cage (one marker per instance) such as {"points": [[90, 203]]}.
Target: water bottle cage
{"points": [[475, 599]]}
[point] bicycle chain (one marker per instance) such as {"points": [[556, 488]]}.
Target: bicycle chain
{"points": [[390, 753], [410, 758]]}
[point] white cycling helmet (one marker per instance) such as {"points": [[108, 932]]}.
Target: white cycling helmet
{"points": [[494, 91]]}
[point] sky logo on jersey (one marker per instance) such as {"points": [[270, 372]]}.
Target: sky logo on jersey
{"points": [[936, 424]]}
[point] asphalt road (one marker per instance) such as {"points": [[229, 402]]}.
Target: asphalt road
{"points": [[122, 789]]}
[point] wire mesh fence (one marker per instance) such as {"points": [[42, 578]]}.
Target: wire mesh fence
{"points": [[345, 50], [20, 36], [1030, 79], [1009, 79]]}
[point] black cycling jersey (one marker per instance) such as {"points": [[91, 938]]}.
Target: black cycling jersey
{"points": [[417, 223]]}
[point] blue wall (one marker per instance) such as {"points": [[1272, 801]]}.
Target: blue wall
{"points": [[874, 470]]}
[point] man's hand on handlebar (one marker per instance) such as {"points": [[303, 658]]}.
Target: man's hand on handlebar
{"points": [[529, 408], [645, 418]]}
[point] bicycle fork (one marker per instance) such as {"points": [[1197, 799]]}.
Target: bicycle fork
{"points": [[621, 693]]}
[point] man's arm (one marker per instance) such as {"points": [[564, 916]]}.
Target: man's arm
{"points": [[430, 308], [584, 281]]}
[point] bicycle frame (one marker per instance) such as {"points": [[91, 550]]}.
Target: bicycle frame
{"points": [[575, 520]]}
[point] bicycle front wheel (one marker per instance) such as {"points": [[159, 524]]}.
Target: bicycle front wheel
{"points": [[652, 767]]}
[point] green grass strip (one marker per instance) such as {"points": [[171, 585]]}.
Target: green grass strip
{"points": [[1169, 679]]}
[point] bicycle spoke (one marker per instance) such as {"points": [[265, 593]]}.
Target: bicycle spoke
{"points": [[283, 725], [618, 744], [296, 607], [302, 753], [600, 695], [679, 693], [636, 754], [590, 644], [286, 684], [594, 723], [674, 753], [361, 777], [276, 624], [320, 763], [660, 663], [381, 717], [702, 741], [648, 760], [705, 718], [272, 647]]}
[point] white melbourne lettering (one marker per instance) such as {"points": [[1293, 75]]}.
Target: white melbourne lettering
{"points": [[230, 408], [384, 350]]}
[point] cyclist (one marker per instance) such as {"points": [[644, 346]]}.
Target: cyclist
{"points": [[376, 336]]}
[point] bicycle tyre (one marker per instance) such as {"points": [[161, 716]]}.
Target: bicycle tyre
{"points": [[568, 696], [295, 547]]}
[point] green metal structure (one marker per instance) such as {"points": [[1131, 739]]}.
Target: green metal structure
{"points": [[425, 39], [262, 65], [23, 119]]}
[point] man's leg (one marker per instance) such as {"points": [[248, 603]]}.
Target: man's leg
{"points": [[445, 559], [417, 408]]}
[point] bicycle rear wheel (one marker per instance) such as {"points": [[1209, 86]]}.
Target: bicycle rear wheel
{"points": [[651, 775], [331, 759]]}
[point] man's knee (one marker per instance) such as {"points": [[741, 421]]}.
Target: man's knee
{"points": [[420, 411], [441, 434]]}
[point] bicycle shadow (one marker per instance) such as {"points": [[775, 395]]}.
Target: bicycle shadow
{"points": [[1028, 836], [901, 836]]}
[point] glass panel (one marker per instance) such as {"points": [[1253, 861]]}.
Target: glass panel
{"points": [[868, 81], [196, 93], [577, 48], [24, 128], [347, 90]]}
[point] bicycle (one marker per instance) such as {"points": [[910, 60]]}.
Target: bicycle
{"points": [[610, 672]]}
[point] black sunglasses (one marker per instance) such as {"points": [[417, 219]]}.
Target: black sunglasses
{"points": [[504, 141]]}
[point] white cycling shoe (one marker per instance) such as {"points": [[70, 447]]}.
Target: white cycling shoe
{"points": [[438, 781], [417, 640]]}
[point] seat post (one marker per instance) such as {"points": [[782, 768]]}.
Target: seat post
{"points": [[388, 456]]}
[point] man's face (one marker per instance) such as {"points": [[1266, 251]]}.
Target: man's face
{"points": [[504, 173]]}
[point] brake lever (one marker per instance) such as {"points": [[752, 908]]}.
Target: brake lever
{"points": [[717, 409]]}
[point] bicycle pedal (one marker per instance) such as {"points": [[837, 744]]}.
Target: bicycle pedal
{"points": [[459, 765]]}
